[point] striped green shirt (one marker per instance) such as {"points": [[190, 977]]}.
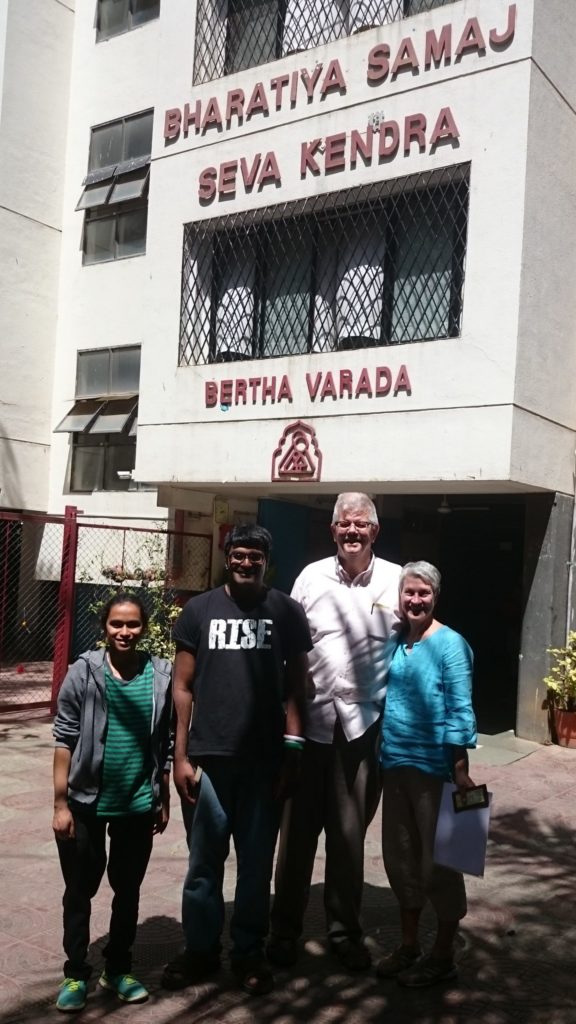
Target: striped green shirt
{"points": [[127, 768]]}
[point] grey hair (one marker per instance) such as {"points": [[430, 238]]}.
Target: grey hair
{"points": [[423, 571], [352, 501]]}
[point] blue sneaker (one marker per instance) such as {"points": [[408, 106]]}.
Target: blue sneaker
{"points": [[71, 995], [127, 988]]}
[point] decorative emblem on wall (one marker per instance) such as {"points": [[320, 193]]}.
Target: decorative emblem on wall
{"points": [[297, 457]]}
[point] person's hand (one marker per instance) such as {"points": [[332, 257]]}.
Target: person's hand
{"points": [[462, 779], [63, 823], [162, 818], [186, 780], [289, 779]]}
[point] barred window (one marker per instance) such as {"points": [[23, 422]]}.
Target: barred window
{"points": [[235, 34], [370, 266]]}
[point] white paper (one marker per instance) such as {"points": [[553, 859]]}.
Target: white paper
{"points": [[461, 837]]}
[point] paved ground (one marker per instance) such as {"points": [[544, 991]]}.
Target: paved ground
{"points": [[517, 951]]}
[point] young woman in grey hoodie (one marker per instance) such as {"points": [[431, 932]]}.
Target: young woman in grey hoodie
{"points": [[111, 771]]}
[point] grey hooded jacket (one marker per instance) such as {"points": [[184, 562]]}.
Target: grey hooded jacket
{"points": [[82, 718]]}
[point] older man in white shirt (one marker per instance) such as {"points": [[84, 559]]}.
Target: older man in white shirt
{"points": [[350, 601]]}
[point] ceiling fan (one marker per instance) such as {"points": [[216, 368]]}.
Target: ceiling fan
{"points": [[444, 508]]}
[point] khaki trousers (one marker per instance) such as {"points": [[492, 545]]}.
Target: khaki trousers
{"points": [[410, 802]]}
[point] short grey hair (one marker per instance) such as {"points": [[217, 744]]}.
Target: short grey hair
{"points": [[423, 571], [355, 501]]}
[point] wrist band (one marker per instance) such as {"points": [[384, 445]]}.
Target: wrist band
{"points": [[294, 743], [297, 739]]}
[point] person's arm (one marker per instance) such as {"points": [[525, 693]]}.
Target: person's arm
{"points": [[163, 815], [296, 672], [184, 771], [460, 727], [62, 822], [460, 769]]}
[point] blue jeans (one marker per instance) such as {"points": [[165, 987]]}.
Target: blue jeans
{"points": [[235, 799]]}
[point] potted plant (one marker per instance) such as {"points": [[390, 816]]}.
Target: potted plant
{"points": [[561, 696]]}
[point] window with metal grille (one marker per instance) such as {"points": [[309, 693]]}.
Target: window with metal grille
{"points": [[103, 420], [377, 265], [235, 34], [115, 193], [116, 16]]}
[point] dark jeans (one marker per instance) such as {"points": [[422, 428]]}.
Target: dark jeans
{"points": [[236, 799], [339, 792], [83, 862]]}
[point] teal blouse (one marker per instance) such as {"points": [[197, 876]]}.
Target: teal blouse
{"points": [[428, 706]]}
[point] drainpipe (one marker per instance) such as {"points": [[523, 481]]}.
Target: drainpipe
{"points": [[572, 557]]}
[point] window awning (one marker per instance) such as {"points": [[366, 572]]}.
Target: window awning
{"points": [[100, 416], [117, 183], [94, 195], [80, 416], [113, 417], [129, 186]]}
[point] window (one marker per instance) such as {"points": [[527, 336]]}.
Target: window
{"points": [[235, 34], [103, 420], [116, 16], [379, 265], [115, 194]]}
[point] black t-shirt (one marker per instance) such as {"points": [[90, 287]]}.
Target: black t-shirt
{"points": [[238, 684]]}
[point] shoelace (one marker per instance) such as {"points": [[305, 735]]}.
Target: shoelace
{"points": [[72, 984]]}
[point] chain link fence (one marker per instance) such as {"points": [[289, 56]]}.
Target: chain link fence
{"points": [[55, 571]]}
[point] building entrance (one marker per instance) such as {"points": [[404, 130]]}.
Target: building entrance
{"points": [[478, 545]]}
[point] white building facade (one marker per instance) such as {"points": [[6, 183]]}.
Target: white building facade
{"points": [[311, 247]]}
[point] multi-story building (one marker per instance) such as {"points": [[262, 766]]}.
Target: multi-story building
{"points": [[35, 52], [314, 246]]}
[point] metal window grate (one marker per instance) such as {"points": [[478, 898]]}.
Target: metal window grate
{"points": [[377, 265], [235, 34]]}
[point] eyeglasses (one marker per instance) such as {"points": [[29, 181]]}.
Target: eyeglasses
{"points": [[359, 524], [239, 557]]}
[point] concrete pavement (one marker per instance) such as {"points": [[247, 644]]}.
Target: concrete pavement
{"points": [[516, 953]]}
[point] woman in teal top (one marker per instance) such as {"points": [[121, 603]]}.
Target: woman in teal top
{"points": [[428, 725], [111, 773]]}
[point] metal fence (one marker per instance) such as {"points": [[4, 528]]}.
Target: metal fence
{"points": [[363, 267], [56, 570]]}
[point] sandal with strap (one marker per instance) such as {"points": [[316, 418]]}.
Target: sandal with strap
{"points": [[428, 971], [254, 976], [399, 960]]}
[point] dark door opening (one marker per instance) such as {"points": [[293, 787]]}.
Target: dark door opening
{"points": [[478, 546]]}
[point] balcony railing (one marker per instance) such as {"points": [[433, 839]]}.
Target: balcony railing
{"points": [[235, 34]]}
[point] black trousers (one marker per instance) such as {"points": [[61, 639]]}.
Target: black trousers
{"points": [[83, 862]]}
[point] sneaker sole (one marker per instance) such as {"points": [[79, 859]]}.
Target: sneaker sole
{"points": [[71, 1009]]}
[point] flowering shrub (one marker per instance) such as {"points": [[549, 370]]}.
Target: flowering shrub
{"points": [[561, 682]]}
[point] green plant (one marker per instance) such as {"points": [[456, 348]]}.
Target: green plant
{"points": [[561, 682], [151, 582]]}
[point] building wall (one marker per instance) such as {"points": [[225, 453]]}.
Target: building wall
{"points": [[105, 304], [35, 43], [462, 389]]}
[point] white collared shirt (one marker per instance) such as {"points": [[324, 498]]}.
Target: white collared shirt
{"points": [[351, 621]]}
